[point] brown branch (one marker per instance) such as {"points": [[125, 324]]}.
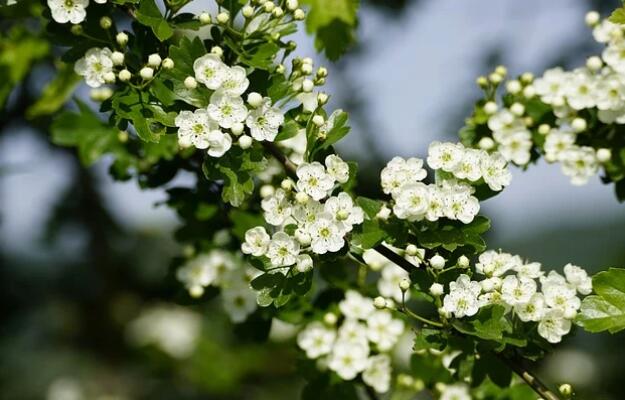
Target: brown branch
{"points": [[532, 380]]}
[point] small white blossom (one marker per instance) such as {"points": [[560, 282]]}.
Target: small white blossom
{"points": [[283, 250], [277, 208], [256, 241], [516, 291], [199, 130], [578, 277], [210, 70], [495, 172], [550, 87], [533, 310], [204, 270], [355, 306], [457, 391], [73, 11], [264, 121], [337, 168], [411, 202], [316, 340], [313, 180], [344, 212], [462, 299], [445, 156], [553, 326], [325, 234], [494, 263], [234, 81], [399, 172], [378, 373], [383, 330], [348, 359], [580, 164], [238, 302], [226, 110], [94, 65], [388, 284]]}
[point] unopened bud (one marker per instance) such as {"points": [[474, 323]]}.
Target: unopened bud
{"points": [[379, 303], [106, 22], [205, 18], [168, 63], [121, 38], [146, 73], [245, 142]]}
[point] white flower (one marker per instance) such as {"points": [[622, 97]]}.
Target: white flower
{"points": [[580, 164], [457, 391], [610, 92], [337, 168], [355, 306], [504, 123], [553, 326], [72, 11], [309, 101], [316, 340], [313, 180], [577, 277], [234, 81], [325, 235], [436, 203], [226, 110], [462, 299], [264, 121], [580, 90], [344, 212], [445, 156], [399, 172], [348, 359], [533, 310], [458, 202], [383, 330], [204, 270], [304, 263], [306, 214], [411, 202], [238, 302], [199, 130], [353, 331], [494, 263], [94, 65], [614, 56], [277, 208], [388, 284], [604, 31], [495, 172], [531, 270], [256, 241], [516, 291], [470, 166], [560, 295], [378, 373], [556, 143], [282, 250], [210, 71], [550, 87], [516, 147]]}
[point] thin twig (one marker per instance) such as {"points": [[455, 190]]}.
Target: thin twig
{"points": [[532, 380]]}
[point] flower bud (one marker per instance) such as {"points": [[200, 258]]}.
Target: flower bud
{"points": [[565, 390], [318, 120], [486, 143], [154, 60], [146, 73], [513, 86], [168, 63], [594, 63], [205, 18], [223, 17], [527, 78], [122, 136], [437, 262], [245, 142], [254, 99], [124, 75], [544, 129], [266, 191], [592, 18], [196, 291], [570, 313], [117, 57], [291, 5], [218, 51], [330, 318], [307, 60], [299, 14], [237, 128], [277, 12], [412, 250], [307, 86], [190, 82], [463, 261], [301, 198], [322, 98], [121, 38], [306, 69], [495, 78], [517, 109], [280, 69], [304, 263], [604, 155], [302, 237], [286, 184], [579, 125], [322, 72], [106, 22], [384, 213], [490, 107], [247, 11], [379, 303], [529, 92], [482, 82], [501, 70], [269, 6], [437, 289], [109, 77], [76, 30]]}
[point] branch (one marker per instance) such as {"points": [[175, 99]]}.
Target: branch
{"points": [[532, 380]]}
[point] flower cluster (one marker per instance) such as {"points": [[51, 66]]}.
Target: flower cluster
{"points": [[524, 290], [452, 195], [226, 271], [575, 98], [72, 11], [314, 226], [358, 344]]}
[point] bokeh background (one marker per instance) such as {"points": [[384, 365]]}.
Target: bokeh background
{"points": [[86, 298]]}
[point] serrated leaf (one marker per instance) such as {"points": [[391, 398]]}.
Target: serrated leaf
{"points": [[287, 131], [605, 311], [489, 323], [333, 22], [369, 206], [148, 14], [618, 16]]}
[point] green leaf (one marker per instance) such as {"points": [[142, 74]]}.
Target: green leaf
{"points": [[618, 16], [287, 131], [149, 15], [490, 323], [243, 221], [56, 92], [333, 22], [426, 339], [85, 131], [148, 119], [369, 206], [371, 235], [605, 311]]}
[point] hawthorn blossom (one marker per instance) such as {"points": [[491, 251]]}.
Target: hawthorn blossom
{"points": [[276, 207], [399, 172], [282, 250], [210, 70], [344, 212], [234, 81], [445, 156], [337, 168], [578, 278], [265, 121], [326, 235], [462, 299], [314, 180], [356, 306], [94, 65], [256, 241], [72, 11], [515, 290], [553, 326], [316, 340], [348, 359], [378, 373], [383, 330], [226, 110]]}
